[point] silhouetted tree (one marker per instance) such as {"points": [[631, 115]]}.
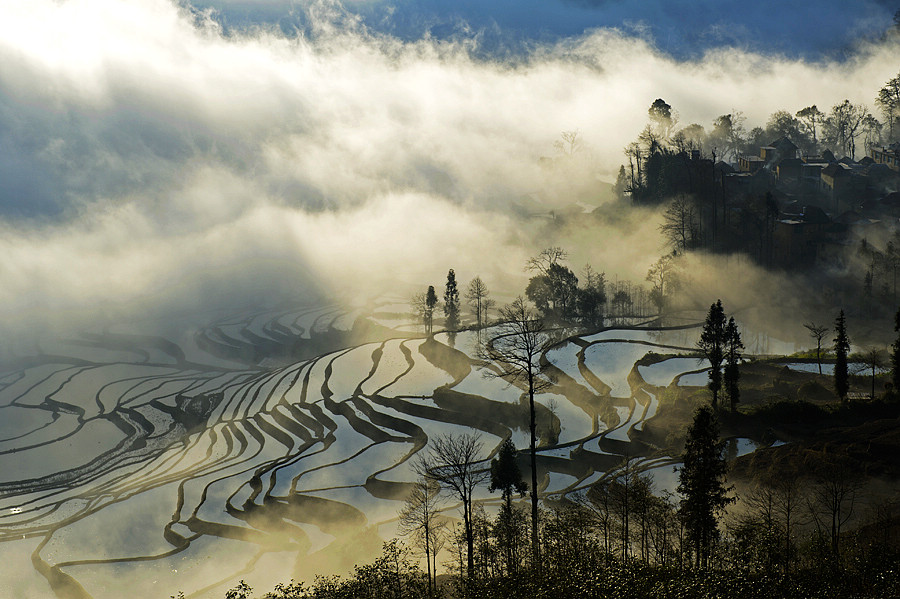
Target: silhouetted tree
{"points": [[555, 292], [420, 519], [817, 332], [888, 100], [841, 126], [873, 360], [841, 350], [569, 143], [663, 278], [507, 478], [811, 116], [681, 224], [431, 301], [451, 303], [505, 474], [728, 135], [702, 483], [591, 297], [515, 352], [712, 343], [662, 118], [782, 123], [454, 463], [832, 502], [419, 310], [478, 298], [623, 183], [732, 373]]}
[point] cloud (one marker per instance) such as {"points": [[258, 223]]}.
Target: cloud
{"points": [[681, 27], [147, 156]]}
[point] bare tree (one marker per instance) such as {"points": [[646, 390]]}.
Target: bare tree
{"points": [[477, 297], [569, 143], [788, 499], [842, 125], [663, 278], [454, 463], [810, 116], [832, 502], [681, 224], [729, 134], [545, 259], [420, 519], [515, 352], [420, 309], [818, 333], [873, 358]]}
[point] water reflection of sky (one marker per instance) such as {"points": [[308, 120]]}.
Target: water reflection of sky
{"points": [[662, 373]]}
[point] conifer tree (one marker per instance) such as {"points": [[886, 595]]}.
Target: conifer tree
{"points": [[431, 301], [507, 478], [451, 302], [732, 375], [505, 474], [841, 349], [712, 344], [702, 483]]}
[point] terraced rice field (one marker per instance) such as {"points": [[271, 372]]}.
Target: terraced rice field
{"points": [[243, 450]]}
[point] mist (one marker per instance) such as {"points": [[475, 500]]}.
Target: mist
{"points": [[150, 160]]}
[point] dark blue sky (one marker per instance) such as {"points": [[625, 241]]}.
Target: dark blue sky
{"points": [[685, 29]]}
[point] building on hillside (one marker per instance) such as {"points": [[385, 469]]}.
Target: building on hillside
{"points": [[750, 164], [796, 237], [787, 171], [888, 155], [769, 156], [842, 186], [780, 149]]}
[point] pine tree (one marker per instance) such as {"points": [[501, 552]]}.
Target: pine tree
{"points": [[505, 474], [451, 303], [732, 375], [702, 483], [507, 478], [841, 349], [712, 344], [431, 301]]}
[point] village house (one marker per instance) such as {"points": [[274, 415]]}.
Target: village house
{"points": [[887, 155]]}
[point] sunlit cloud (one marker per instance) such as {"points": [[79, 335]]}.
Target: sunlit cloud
{"points": [[145, 153]]}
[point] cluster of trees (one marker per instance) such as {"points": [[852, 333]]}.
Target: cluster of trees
{"points": [[559, 297], [626, 299], [660, 150], [477, 296], [702, 212], [872, 358], [618, 518], [882, 267], [555, 291], [720, 342]]}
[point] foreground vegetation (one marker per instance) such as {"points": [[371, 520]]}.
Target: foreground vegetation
{"points": [[574, 564]]}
